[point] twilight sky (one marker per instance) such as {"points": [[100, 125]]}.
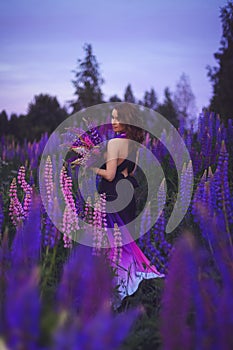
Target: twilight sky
{"points": [[146, 43]]}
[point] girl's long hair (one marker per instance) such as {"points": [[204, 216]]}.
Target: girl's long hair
{"points": [[128, 115]]}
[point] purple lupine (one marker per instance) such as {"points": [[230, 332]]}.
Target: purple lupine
{"points": [[213, 197], [154, 242], [204, 146], [218, 140], [191, 304], [85, 319], [103, 332], [223, 258], [162, 246], [4, 267], [96, 136], [211, 124], [221, 184], [161, 250], [229, 135], [227, 208], [218, 122], [22, 303], [86, 284], [1, 214], [176, 301], [198, 194], [200, 128], [189, 178], [223, 255], [181, 128], [203, 197], [79, 203], [185, 185], [51, 234], [188, 140]]}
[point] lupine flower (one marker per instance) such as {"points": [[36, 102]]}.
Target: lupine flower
{"points": [[117, 254], [70, 218], [26, 188], [5, 258], [51, 235], [49, 181], [85, 144], [88, 214], [186, 185], [22, 303], [154, 242], [16, 211], [1, 213], [104, 219], [176, 301], [188, 140], [81, 281], [99, 231], [84, 304], [223, 255]]}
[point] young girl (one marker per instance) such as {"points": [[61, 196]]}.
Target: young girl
{"points": [[121, 160]]}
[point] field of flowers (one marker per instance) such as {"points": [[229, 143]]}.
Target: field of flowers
{"points": [[55, 295]]}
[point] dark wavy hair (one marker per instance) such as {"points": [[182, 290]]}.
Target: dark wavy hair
{"points": [[128, 113]]}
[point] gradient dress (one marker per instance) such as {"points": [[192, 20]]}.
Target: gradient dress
{"points": [[133, 266]]}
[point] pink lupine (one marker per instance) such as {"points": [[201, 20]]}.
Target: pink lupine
{"points": [[16, 210], [48, 174], [70, 217], [117, 254], [66, 228], [88, 215], [26, 188], [104, 218], [97, 222], [88, 141]]}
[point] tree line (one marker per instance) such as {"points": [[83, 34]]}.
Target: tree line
{"points": [[45, 113]]}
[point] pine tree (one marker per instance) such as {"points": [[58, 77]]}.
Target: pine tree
{"points": [[128, 96], [44, 115], [184, 99], [87, 82], [150, 99], [114, 98], [3, 123], [168, 108], [222, 76]]}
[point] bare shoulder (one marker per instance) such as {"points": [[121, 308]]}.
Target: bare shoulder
{"points": [[116, 142]]}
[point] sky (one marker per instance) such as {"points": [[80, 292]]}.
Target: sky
{"points": [[148, 44]]}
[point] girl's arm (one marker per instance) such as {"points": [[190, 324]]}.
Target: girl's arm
{"points": [[111, 164]]}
